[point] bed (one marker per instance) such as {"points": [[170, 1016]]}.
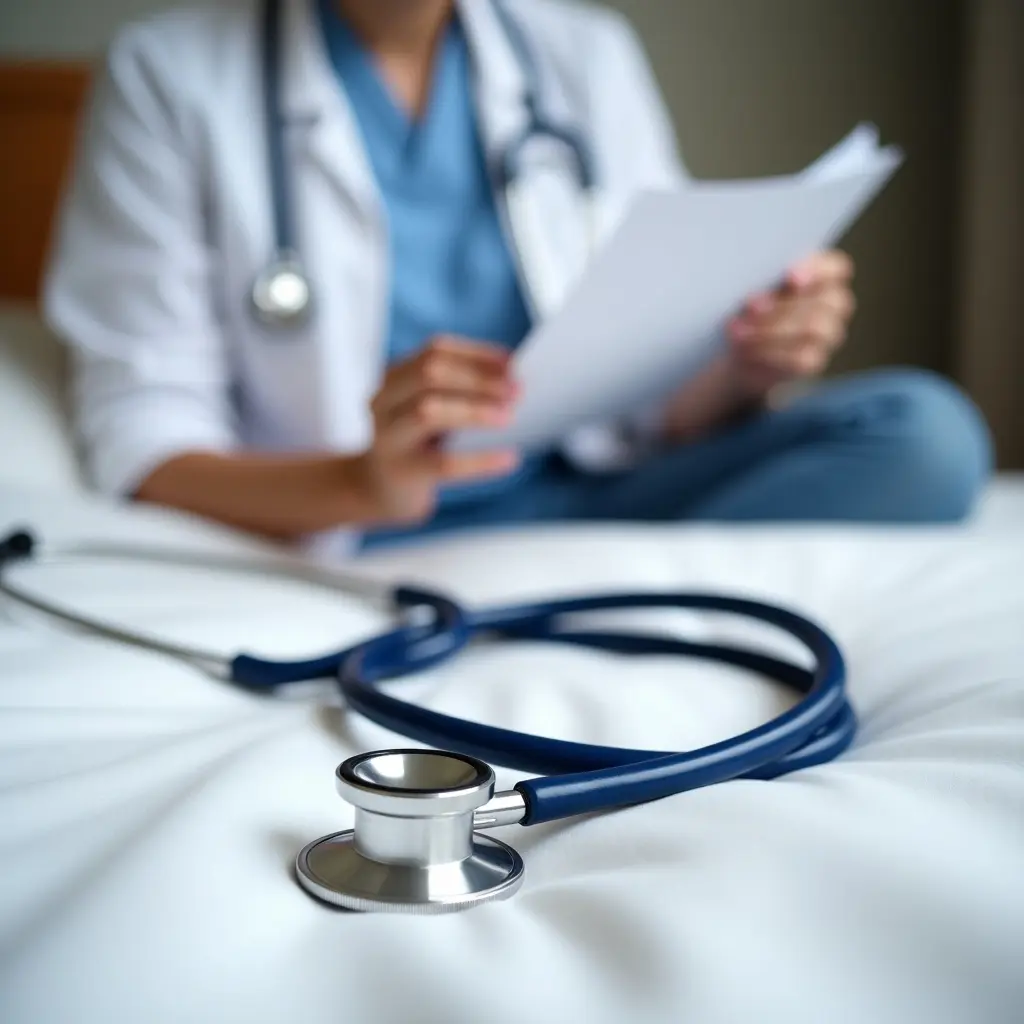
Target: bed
{"points": [[151, 814]]}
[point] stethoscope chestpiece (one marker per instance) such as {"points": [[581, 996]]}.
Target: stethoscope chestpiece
{"points": [[413, 848], [281, 293]]}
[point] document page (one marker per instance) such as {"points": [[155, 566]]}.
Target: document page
{"points": [[652, 307]]}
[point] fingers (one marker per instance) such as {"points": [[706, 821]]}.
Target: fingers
{"points": [[799, 359], [822, 268], [426, 416], [447, 365], [452, 384], [795, 329], [455, 467], [794, 334], [821, 315]]}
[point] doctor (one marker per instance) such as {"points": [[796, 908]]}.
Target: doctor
{"points": [[397, 118]]}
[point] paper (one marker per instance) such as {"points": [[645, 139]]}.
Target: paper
{"points": [[857, 153], [651, 308]]}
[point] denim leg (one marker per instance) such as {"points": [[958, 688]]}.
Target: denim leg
{"points": [[900, 446], [895, 446]]}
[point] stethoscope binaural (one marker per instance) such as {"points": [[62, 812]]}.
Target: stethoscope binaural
{"points": [[282, 294], [417, 842]]}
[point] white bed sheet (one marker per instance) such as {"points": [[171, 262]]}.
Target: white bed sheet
{"points": [[150, 815]]}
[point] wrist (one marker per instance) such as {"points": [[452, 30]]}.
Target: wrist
{"points": [[357, 490], [720, 395]]}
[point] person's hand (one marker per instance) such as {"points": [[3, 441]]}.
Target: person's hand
{"points": [[452, 384], [793, 332]]}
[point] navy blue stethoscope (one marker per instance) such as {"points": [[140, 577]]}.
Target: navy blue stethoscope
{"points": [[282, 294], [418, 840]]}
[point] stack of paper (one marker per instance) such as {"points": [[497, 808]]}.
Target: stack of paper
{"points": [[651, 308]]}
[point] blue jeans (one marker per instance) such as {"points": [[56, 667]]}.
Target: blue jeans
{"points": [[894, 446]]}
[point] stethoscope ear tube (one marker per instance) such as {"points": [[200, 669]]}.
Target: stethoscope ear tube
{"points": [[423, 645], [432, 626]]}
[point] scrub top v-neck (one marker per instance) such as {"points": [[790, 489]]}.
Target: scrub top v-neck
{"points": [[450, 269]]}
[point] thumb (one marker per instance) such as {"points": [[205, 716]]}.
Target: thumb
{"points": [[820, 268], [803, 275]]}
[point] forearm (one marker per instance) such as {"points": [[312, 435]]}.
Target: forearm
{"points": [[280, 496], [715, 397]]}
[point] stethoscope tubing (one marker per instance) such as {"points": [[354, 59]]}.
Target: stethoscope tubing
{"points": [[270, 43], [538, 123], [442, 627], [582, 778], [286, 255], [573, 778]]}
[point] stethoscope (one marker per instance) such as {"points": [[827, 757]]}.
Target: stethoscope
{"points": [[282, 293], [417, 842]]}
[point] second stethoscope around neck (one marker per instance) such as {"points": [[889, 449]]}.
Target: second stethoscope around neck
{"points": [[282, 293]]}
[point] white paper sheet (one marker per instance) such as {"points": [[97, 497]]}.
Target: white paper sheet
{"points": [[651, 308], [858, 152]]}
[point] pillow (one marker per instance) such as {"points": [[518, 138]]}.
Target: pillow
{"points": [[36, 440]]}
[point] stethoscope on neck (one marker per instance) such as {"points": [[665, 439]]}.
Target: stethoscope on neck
{"points": [[282, 293], [417, 842]]}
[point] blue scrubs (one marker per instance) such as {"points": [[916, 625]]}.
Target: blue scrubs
{"points": [[450, 269], [891, 446]]}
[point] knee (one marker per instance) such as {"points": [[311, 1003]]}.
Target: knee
{"points": [[937, 442]]}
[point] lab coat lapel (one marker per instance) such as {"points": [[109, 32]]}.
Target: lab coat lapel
{"points": [[542, 216], [314, 104], [499, 84], [342, 232]]}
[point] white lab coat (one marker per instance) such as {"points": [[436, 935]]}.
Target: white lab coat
{"points": [[168, 219]]}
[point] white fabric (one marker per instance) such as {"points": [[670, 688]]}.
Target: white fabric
{"points": [[1002, 505], [151, 815], [168, 221], [37, 449]]}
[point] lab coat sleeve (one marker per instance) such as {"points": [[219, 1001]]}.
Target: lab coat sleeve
{"points": [[129, 282]]}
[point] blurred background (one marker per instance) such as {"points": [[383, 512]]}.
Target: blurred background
{"points": [[761, 88]]}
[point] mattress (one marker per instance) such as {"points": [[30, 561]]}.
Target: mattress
{"points": [[151, 814]]}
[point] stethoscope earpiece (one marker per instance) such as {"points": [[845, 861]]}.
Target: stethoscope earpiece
{"points": [[16, 545]]}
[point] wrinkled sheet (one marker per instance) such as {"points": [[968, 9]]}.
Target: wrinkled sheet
{"points": [[150, 814]]}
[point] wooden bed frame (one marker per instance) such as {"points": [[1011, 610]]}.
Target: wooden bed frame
{"points": [[40, 105]]}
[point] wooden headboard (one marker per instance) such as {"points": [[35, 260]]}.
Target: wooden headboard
{"points": [[39, 109]]}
